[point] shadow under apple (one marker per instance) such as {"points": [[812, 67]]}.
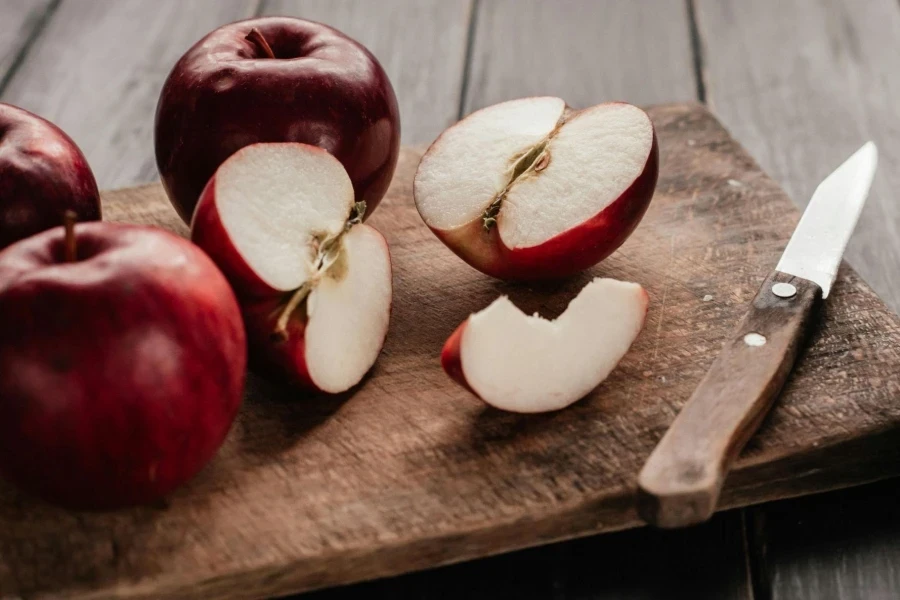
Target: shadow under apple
{"points": [[276, 416]]}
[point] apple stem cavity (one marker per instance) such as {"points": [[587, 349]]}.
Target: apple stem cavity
{"points": [[328, 249], [259, 39], [489, 217], [328, 252], [71, 246]]}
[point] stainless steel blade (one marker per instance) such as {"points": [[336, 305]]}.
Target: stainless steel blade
{"points": [[815, 249]]}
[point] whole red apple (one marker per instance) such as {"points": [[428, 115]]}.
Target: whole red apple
{"points": [[319, 87], [122, 361], [43, 174]]}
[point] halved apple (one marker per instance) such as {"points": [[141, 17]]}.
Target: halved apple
{"points": [[528, 364], [531, 189], [313, 281]]}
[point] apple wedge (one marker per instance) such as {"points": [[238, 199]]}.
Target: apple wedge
{"points": [[531, 189], [313, 282], [528, 364]]}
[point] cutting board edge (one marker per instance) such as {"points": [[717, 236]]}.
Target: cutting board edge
{"points": [[313, 574]]}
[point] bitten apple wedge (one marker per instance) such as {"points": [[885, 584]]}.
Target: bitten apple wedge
{"points": [[531, 189], [528, 364], [313, 282]]}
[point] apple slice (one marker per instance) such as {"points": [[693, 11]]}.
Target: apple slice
{"points": [[527, 364], [313, 282], [531, 189]]}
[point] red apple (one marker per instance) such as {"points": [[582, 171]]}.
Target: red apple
{"points": [[527, 364], [122, 361], [43, 174], [314, 282], [320, 88], [531, 189]]}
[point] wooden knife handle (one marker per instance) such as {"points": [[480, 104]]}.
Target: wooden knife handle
{"points": [[680, 483]]}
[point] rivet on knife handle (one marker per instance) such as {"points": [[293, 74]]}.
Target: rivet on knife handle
{"points": [[680, 483]]}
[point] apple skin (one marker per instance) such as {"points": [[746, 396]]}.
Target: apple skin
{"points": [[278, 358], [43, 174], [208, 232], [324, 89], [120, 373], [451, 357]]}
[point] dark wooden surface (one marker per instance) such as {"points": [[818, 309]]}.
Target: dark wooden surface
{"points": [[825, 79], [410, 471]]}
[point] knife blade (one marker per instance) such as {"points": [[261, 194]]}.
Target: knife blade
{"points": [[681, 481], [815, 249]]}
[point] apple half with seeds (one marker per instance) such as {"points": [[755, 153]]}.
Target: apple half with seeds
{"points": [[531, 189], [313, 281], [528, 364]]}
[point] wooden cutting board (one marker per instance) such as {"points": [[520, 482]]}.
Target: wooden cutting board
{"points": [[410, 471]]}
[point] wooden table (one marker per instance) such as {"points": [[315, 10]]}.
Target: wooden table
{"points": [[801, 83]]}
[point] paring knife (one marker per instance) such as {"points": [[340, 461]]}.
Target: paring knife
{"points": [[680, 483]]}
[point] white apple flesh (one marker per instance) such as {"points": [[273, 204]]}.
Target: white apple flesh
{"points": [[528, 364], [313, 282], [530, 189]]}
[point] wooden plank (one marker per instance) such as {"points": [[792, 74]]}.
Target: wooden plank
{"points": [[97, 69], [841, 545], [803, 90], [702, 562], [18, 24], [584, 51], [410, 471], [421, 45]]}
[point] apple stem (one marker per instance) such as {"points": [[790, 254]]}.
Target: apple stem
{"points": [[71, 248], [285, 316], [357, 215], [257, 38]]}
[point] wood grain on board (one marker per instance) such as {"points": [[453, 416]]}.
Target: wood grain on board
{"points": [[585, 51], [421, 45], [97, 68], [410, 471]]}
